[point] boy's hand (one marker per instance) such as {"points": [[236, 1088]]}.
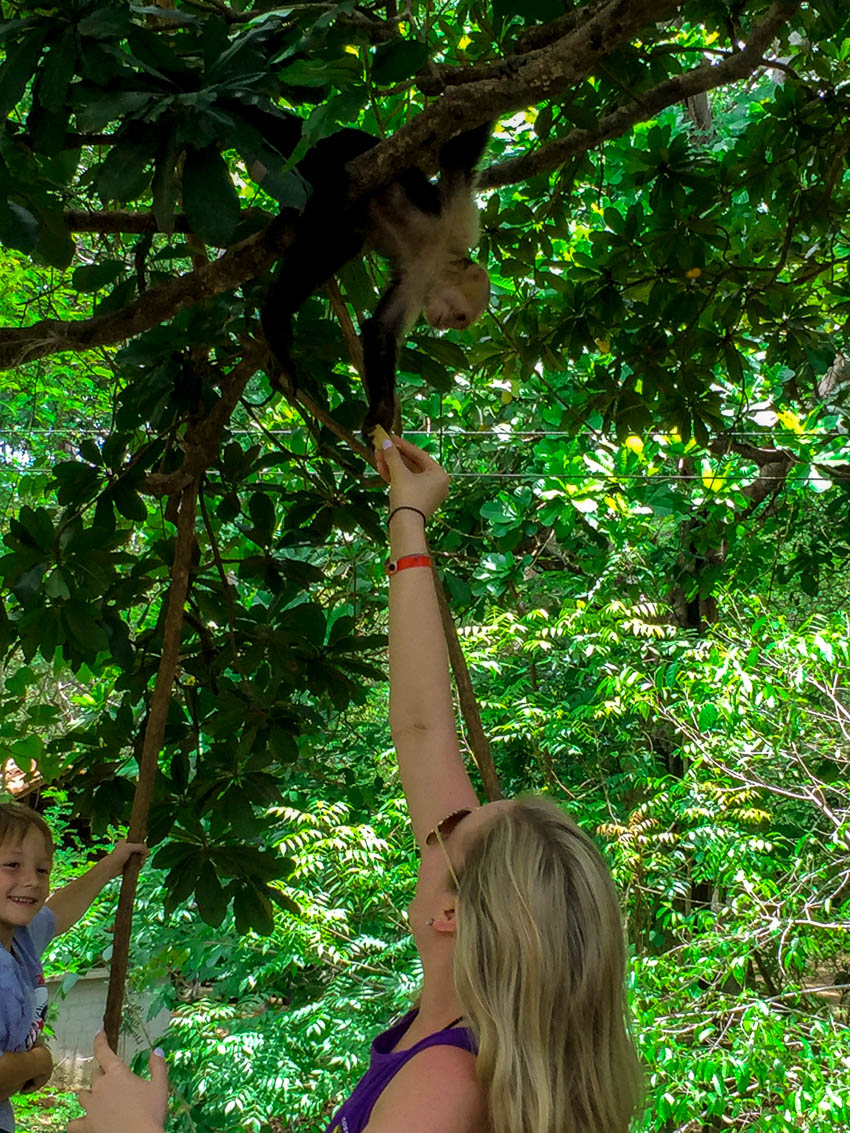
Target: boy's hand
{"points": [[123, 850], [41, 1068], [120, 1100]]}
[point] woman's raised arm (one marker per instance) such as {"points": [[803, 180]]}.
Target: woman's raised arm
{"points": [[422, 718]]}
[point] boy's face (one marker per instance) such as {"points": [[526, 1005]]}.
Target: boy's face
{"points": [[24, 881]]}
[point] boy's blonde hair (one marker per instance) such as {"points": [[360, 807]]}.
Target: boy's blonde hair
{"points": [[16, 819]]}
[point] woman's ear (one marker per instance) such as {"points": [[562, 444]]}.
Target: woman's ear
{"points": [[446, 922]]}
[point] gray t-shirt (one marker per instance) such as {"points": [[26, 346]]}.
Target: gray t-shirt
{"points": [[23, 995]]}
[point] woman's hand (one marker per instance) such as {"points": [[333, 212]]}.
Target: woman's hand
{"points": [[118, 1100], [415, 478]]}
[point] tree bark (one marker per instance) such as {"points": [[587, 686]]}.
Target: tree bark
{"points": [[154, 732]]}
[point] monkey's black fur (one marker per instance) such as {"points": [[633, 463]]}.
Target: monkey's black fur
{"points": [[424, 228]]}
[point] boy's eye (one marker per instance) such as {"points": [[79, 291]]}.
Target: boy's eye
{"points": [[11, 865], [45, 871]]}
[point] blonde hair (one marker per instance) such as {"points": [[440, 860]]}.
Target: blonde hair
{"points": [[16, 819], [540, 971]]}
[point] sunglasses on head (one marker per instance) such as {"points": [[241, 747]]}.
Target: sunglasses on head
{"points": [[441, 831]]}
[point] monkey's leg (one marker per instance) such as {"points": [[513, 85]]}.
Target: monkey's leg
{"points": [[323, 244], [381, 337]]}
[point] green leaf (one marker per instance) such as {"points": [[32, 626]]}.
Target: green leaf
{"points": [[282, 745], [306, 620], [210, 896], [28, 749], [174, 855], [398, 60], [129, 503], [109, 22], [181, 881], [18, 682], [90, 452], [84, 630], [94, 276], [123, 174], [55, 244], [253, 910], [707, 717], [210, 200], [18, 227], [261, 509], [35, 527], [56, 585], [228, 508], [121, 294], [165, 186], [96, 107], [284, 901], [57, 71], [77, 481], [19, 66]]}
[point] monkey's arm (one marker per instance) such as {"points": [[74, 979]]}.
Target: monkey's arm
{"points": [[381, 336]]}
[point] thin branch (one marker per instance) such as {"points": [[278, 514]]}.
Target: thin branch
{"points": [[352, 339], [148, 761], [203, 438]]}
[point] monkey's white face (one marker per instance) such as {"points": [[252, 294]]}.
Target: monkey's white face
{"points": [[457, 303]]}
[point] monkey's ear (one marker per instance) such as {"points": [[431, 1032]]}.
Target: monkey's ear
{"points": [[475, 284], [461, 153]]}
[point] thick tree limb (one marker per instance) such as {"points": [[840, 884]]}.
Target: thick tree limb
{"points": [[544, 34], [704, 78], [439, 78], [540, 74], [158, 304], [124, 220], [774, 464], [506, 88]]}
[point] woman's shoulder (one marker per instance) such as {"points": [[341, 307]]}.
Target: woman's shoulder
{"points": [[436, 1091]]}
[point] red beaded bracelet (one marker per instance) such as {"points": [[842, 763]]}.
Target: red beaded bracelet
{"points": [[407, 561]]}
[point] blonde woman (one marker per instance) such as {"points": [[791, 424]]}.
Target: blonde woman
{"points": [[521, 1026]]}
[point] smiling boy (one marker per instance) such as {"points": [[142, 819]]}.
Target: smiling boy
{"points": [[29, 919]]}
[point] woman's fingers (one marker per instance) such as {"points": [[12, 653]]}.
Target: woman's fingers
{"points": [[104, 1053], [416, 459], [159, 1077]]}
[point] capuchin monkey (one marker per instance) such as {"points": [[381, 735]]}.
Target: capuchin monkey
{"points": [[425, 229]]}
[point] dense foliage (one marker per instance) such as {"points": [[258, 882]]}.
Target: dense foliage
{"points": [[646, 547]]}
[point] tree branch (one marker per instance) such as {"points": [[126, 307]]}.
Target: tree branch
{"points": [[540, 74], [154, 733], [136, 223], [507, 86], [49, 336], [203, 438], [703, 78]]}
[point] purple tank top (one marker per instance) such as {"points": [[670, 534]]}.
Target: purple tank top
{"points": [[353, 1116]]}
